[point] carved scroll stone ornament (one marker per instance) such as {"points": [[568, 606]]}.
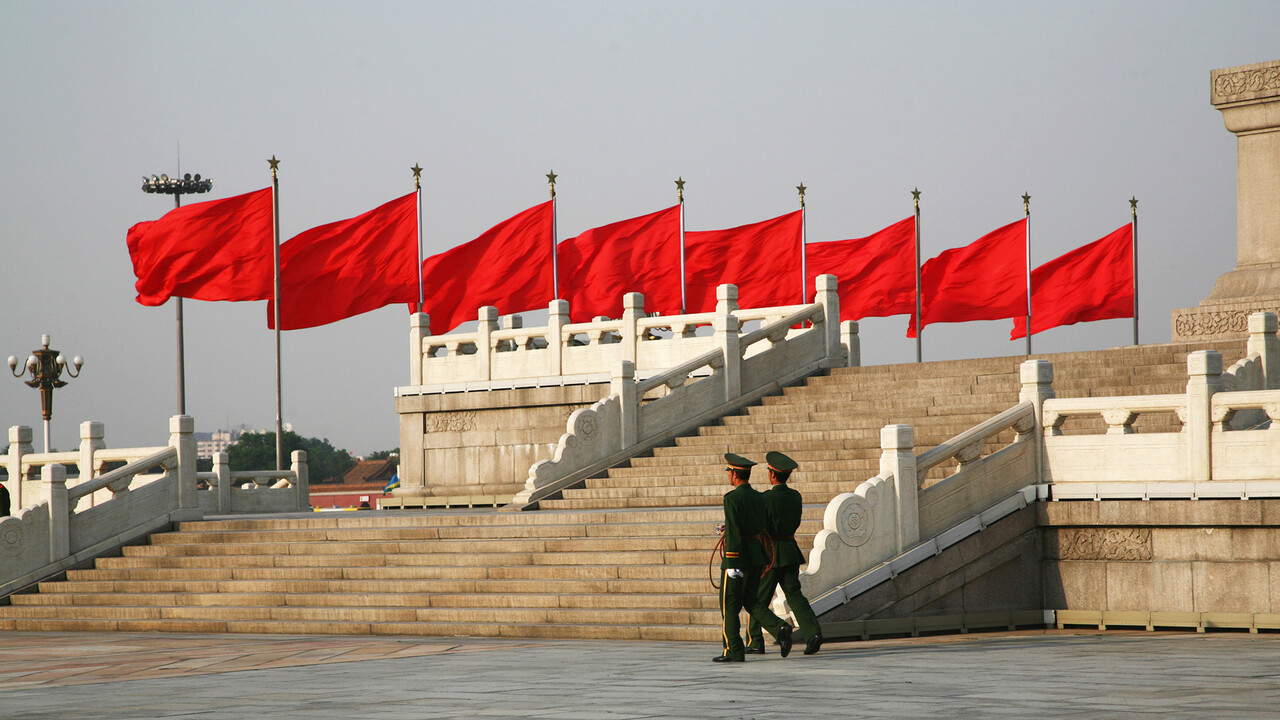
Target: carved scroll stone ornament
{"points": [[1116, 544], [854, 521], [1211, 322], [1246, 84], [591, 434], [13, 536]]}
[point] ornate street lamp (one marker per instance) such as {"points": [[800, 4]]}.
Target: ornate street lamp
{"points": [[187, 185], [46, 368]]}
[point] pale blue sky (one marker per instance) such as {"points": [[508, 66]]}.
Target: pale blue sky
{"points": [[1080, 104]]}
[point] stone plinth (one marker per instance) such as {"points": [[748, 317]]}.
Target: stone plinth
{"points": [[482, 443], [1249, 99]]}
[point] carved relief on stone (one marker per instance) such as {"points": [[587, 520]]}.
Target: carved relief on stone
{"points": [[1211, 322], [854, 523], [568, 410], [451, 421], [13, 535], [1105, 544], [1229, 87]]}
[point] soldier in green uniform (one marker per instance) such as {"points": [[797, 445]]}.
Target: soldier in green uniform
{"points": [[784, 507], [744, 559]]}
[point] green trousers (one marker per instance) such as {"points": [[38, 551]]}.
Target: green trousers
{"points": [[789, 578], [737, 594]]}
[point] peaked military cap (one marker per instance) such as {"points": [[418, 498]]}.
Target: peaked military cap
{"points": [[778, 461], [737, 462]]}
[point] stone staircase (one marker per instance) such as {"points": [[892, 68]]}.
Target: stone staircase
{"points": [[624, 557]]}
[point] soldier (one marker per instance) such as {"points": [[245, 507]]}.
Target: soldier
{"points": [[784, 506], [744, 559]]}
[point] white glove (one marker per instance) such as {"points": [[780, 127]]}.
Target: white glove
{"points": [[735, 573]]}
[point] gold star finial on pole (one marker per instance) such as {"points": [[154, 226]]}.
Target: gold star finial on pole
{"points": [[1133, 206], [1026, 203], [274, 163], [800, 189], [915, 197], [680, 188], [551, 181], [417, 176]]}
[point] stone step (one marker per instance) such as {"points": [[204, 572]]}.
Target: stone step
{"points": [[379, 599], [696, 584], [658, 633]]}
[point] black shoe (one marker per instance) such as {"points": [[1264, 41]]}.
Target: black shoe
{"points": [[725, 658], [812, 644], [784, 639], [753, 650]]}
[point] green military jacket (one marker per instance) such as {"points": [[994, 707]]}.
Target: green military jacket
{"points": [[744, 518], [785, 508]]}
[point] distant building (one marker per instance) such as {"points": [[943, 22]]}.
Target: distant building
{"points": [[209, 443], [361, 485]]}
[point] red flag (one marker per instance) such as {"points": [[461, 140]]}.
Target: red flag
{"points": [[877, 273], [349, 267], [762, 259], [1093, 282], [638, 255], [213, 250], [985, 280], [508, 266]]}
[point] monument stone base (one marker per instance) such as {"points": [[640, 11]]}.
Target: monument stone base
{"points": [[1220, 319]]}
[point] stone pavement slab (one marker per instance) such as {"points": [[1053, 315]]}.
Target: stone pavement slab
{"points": [[1070, 674]]}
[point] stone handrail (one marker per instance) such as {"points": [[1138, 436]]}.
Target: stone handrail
{"points": [[120, 479], [502, 353], [624, 423], [887, 515], [1119, 413], [271, 490], [47, 538]]}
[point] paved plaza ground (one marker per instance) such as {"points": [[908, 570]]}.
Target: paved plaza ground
{"points": [[1026, 674]]}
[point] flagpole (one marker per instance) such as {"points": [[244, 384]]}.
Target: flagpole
{"points": [[275, 237], [804, 241], [1133, 211], [417, 189], [1026, 207], [915, 198], [555, 261], [680, 197]]}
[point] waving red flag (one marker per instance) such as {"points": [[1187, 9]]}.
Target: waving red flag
{"points": [[1093, 282], [638, 255], [508, 266], [762, 259], [877, 273], [213, 250], [985, 280], [349, 267]]}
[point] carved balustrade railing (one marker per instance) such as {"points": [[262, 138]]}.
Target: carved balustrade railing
{"points": [[563, 352]]}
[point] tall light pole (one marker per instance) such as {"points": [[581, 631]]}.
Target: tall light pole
{"points": [[46, 368], [166, 185]]}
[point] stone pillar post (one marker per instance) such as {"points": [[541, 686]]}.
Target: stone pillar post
{"points": [[181, 437], [19, 445], [1204, 370], [632, 312], [623, 386], [852, 344], [488, 317], [557, 318], [898, 457], [419, 328], [1248, 97], [829, 299], [726, 299], [222, 476], [91, 441], [1037, 386], [1263, 341], [301, 486], [54, 475], [728, 338]]}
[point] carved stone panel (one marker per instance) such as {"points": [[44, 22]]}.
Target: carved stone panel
{"points": [[450, 421], [1112, 544], [855, 523]]}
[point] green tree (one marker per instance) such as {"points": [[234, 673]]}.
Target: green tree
{"points": [[257, 451]]}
